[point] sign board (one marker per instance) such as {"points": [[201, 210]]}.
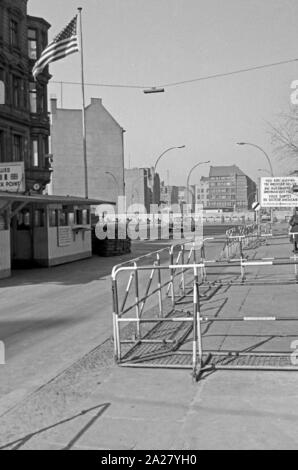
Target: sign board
{"points": [[12, 177], [65, 236], [278, 191], [2, 92], [256, 206]]}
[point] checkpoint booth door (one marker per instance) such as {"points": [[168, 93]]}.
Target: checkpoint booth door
{"points": [[21, 238]]}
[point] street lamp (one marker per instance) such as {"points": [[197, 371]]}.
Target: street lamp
{"points": [[269, 161], [157, 160], [115, 180], [263, 151], [189, 175], [166, 151]]}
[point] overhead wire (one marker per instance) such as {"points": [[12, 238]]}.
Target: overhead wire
{"points": [[182, 82]]}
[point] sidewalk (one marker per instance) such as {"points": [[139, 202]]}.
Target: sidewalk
{"points": [[97, 405]]}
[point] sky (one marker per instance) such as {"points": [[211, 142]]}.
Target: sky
{"points": [[155, 42]]}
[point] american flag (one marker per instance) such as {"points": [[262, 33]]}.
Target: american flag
{"points": [[64, 44]]}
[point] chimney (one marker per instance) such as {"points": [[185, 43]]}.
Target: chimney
{"points": [[53, 105], [96, 101]]}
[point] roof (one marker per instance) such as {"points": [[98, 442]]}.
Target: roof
{"points": [[225, 171], [49, 199], [39, 20]]}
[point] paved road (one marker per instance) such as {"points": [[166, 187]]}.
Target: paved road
{"points": [[51, 317], [96, 405]]}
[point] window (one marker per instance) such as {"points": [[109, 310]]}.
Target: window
{"points": [[17, 148], [86, 217], [2, 155], [35, 152], [45, 146], [79, 217], [70, 218], [32, 43], [33, 97], [53, 217], [24, 220], [16, 91], [42, 95], [44, 40], [63, 218], [14, 33], [39, 218]]}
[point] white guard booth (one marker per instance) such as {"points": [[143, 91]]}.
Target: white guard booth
{"points": [[43, 230]]}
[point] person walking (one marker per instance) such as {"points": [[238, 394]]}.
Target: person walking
{"points": [[293, 222]]}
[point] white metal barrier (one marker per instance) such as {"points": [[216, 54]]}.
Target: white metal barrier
{"points": [[157, 346]]}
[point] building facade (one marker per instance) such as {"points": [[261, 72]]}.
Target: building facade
{"points": [[142, 187], [202, 192], [35, 229], [105, 152], [168, 194], [230, 189], [24, 120]]}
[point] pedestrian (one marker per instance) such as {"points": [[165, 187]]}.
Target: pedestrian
{"points": [[293, 222]]}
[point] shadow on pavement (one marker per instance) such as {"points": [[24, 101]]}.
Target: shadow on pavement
{"points": [[19, 443]]}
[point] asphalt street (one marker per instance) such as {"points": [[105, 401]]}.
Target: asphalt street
{"points": [[95, 404], [51, 317]]}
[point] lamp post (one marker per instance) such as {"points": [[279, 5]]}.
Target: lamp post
{"points": [[157, 161], [189, 175], [115, 181], [262, 150], [269, 162]]}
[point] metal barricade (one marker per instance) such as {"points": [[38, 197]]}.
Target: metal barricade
{"points": [[168, 336], [243, 238]]}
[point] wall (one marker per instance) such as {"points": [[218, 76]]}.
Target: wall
{"points": [[41, 249], [67, 149], [105, 152], [80, 248], [135, 186]]}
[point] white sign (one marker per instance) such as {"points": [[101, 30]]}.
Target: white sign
{"points": [[2, 92], [12, 177], [65, 237], [278, 191], [256, 206]]}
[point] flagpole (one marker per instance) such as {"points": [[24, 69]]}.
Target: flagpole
{"points": [[84, 108]]}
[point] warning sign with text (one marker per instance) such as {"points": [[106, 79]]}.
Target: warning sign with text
{"points": [[279, 191], [12, 177]]}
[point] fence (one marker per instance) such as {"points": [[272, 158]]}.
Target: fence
{"points": [[167, 333], [240, 238]]}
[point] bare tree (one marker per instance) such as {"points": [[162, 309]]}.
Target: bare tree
{"points": [[284, 136]]}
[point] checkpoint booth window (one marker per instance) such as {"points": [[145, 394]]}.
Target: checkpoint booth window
{"points": [[53, 217], [24, 220], [39, 217]]}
